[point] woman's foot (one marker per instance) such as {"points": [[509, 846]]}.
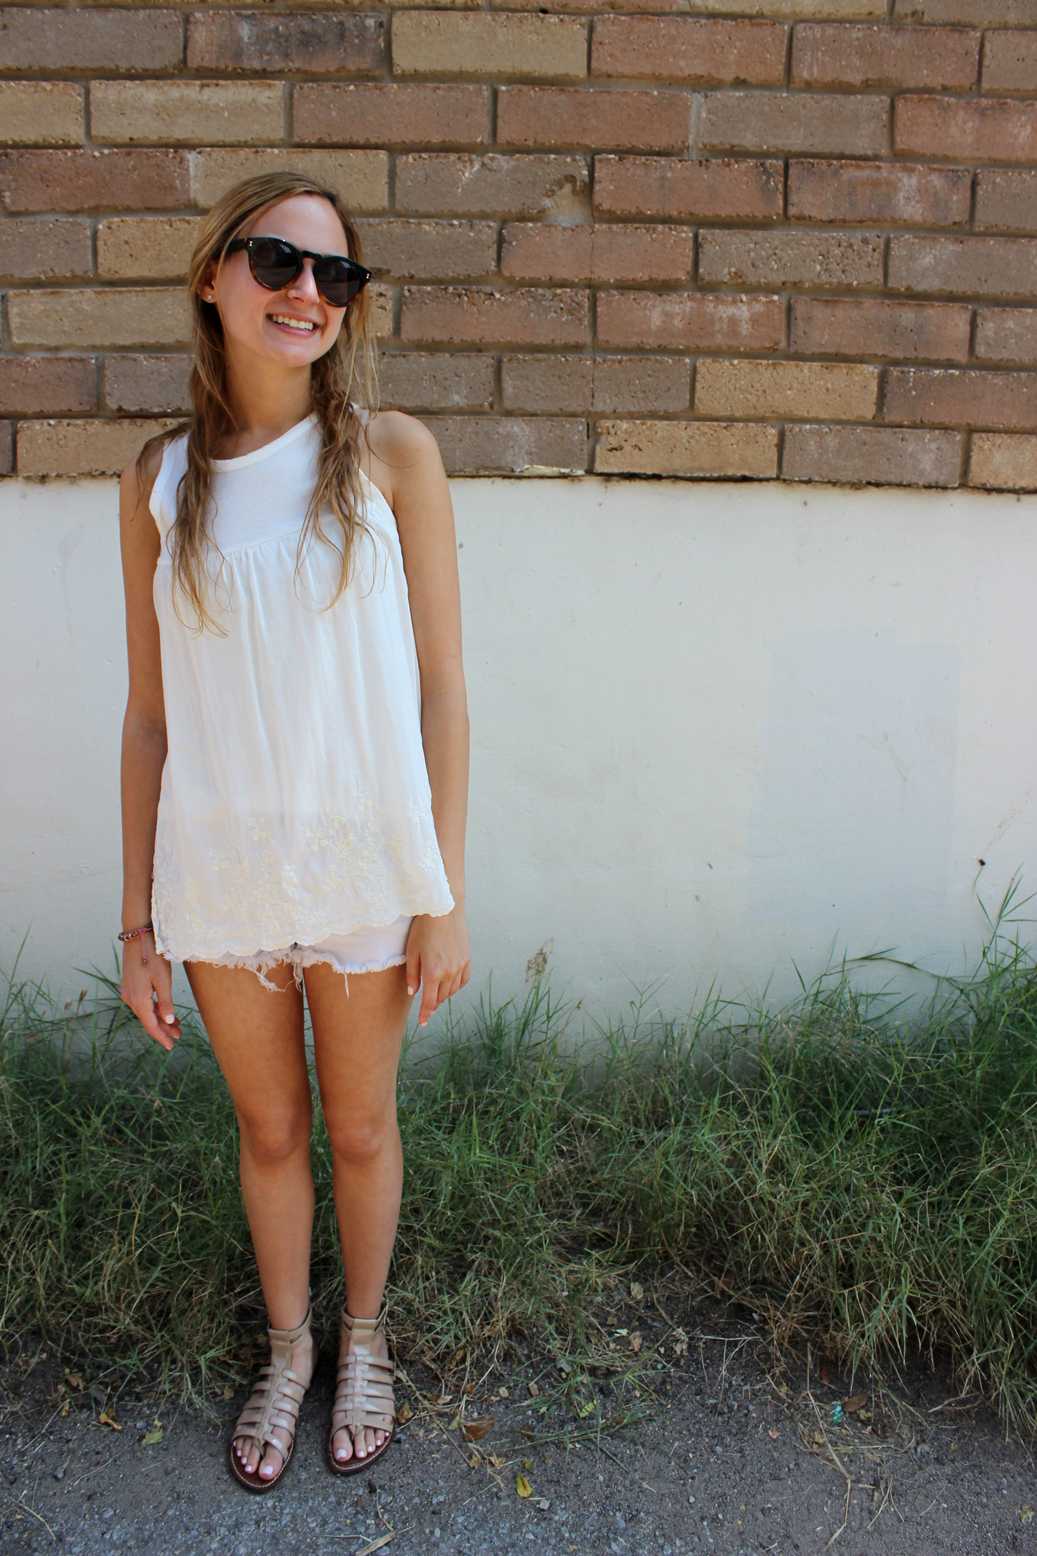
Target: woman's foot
{"points": [[295, 1349], [362, 1418]]}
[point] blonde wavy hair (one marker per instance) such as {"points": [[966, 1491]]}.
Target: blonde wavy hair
{"points": [[337, 488]]}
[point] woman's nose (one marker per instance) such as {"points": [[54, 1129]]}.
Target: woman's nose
{"points": [[304, 284]]}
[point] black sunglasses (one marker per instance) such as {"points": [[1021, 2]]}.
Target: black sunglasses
{"points": [[274, 263]]}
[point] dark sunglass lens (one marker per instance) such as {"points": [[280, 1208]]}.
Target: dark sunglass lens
{"points": [[338, 281], [274, 262]]}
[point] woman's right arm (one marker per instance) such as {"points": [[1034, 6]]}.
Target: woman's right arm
{"points": [[147, 978]]}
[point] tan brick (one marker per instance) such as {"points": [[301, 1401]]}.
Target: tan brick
{"points": [[391, 113], [705, 188], [90, 447], [381, 305], [798, 390], [308, 44], [1010, 62], [792, 10], [93, 180], [686, 448], [697, 52], [582, 117], [1007, 335], [47, 386], [360, 177], [524, 316], [429, 250], [962, 397], [793, 122], [138, 384], [834, 55], [116, 40], [41, 113], [789, 258], [895, 194], [1006, 198], [972, 130], [445, 183], [874, 327], [604, 385], [981, 13], [878, 456], [603, 252], [1003, 461], [502, 48], [120, 316], [509, 445], [690, 321], [983, 267], [151, 248], [187, 113], [437, 380], [44, 248]]}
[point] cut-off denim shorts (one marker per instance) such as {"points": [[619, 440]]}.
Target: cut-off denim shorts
{"points": [[362, 950]]}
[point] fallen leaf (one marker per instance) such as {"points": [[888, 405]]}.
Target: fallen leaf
{"points": [[854, 1403], [74, 1381], [155, 1435], [635, 1341], [495, 1460], [637, 1291], [104, 1419], [404, 1414], [474, 1430], [534, 1389], [523, 1486], [473, 1460], [585, 1408]]}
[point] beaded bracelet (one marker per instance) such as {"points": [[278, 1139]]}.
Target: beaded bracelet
{"points": [[131, 934]]}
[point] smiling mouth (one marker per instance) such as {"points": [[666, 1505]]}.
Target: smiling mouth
{"points": [[293, 326]]}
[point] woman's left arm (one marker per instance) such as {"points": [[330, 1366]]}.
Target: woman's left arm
{"points": [[425, 521]]}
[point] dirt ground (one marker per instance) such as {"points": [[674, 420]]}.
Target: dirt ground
{"points": [[732, 1457]]}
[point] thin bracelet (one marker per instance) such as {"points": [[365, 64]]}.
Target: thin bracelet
{"points": [[131, 934]]}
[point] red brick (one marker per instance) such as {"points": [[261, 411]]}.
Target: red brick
{"points": [[789, 258], [690, 321], [508, 445], [47, 386], [603, 252], [985, 267], [793, 122], [437, 380], [429, 250], [893, 194], [320, 42], [94, 180], [969, 130], [113, 41], [391, 113], [962, 397], [431, 43], [1010, 62], [704, 53], [1003, 461], [1006, 198], [1007, 335], [707, 188], [482, 315], [444, 184], [139, 384], [541, 116], [687, 448], [878, 456], [836, 55], [874, 327]]}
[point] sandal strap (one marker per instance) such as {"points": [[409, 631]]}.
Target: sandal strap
{"points": [[363, 1382], [271, 1412]]}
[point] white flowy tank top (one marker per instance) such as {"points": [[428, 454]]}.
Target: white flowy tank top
{"points": [[295, 800]]}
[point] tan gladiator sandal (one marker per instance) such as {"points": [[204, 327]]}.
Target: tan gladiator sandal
{"points": [[271, 1413], [363, 1393]]}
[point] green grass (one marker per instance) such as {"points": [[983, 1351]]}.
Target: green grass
{"points": [[859, 1178]]}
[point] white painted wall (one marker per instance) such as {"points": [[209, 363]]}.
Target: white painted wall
{"points": [[716, 727]]}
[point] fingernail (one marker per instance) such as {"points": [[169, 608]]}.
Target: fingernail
{"points": [[410, 988], [170, 1018]]}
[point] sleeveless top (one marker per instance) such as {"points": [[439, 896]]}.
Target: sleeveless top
{"points": [[295, 801]]}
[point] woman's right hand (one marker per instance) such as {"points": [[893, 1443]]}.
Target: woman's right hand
{"points": [[147, 988]]}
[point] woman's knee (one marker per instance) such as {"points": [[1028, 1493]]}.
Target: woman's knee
{"points": [[271, 1137], [360, 1137]]}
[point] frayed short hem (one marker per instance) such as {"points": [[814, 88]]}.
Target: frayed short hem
{"points": [[305, 956]]}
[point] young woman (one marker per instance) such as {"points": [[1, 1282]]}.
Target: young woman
{"points": [[295, 763]]}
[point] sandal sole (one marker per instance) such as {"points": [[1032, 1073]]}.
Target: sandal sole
{"points": [[354, 1465], [253, 1482]]}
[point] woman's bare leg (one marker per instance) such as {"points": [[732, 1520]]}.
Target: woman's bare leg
{"points": [[357, 1039], [257, 1038]]}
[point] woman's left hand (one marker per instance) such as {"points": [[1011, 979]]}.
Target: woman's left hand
{"points": [[437, 957]]}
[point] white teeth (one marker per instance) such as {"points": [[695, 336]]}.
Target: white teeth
{"points": [[295, 324]]}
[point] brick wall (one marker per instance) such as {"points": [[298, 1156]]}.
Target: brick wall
{"points": [[717, 238]]}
